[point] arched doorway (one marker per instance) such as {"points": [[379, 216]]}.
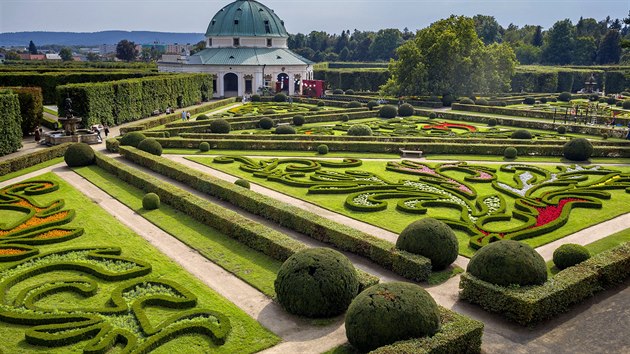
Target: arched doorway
{"points": [[283, 83], [230, 85]]}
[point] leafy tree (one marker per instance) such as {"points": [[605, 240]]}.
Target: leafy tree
{"points": [[93, 56], [488, 29], [66, 54], [344, 55], [12, 55], [498, 68], [609, 51], [126, 50], [537, 41], [527, 54], [201, 45], [585, 51], [385, 43], [32, 48], [560, 43]]}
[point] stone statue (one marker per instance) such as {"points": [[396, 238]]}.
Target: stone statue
{"points": [[67, 106]]}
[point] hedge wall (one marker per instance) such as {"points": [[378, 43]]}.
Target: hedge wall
{"points": [[532, 304], [31, 107], [553, 79], [49, 81], [117, 102], [10, 123], [458, 334], [357, 79], [32, 159], [342, 237]]}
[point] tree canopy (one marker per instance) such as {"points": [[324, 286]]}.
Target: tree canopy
{"points": [[126, 50]]}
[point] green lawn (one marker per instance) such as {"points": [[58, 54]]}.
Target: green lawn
{"points": [[103, 230], [287, 153], [395, 221], [37, 167], [253, 267]]}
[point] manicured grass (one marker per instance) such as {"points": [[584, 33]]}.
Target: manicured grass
{"points": [[395, 221], [50, 111], [287, 153], [103, 230], [440, 277], [253, 267], [37, 167]]}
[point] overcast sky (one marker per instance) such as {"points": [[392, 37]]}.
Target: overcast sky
{"points": [[332, 16]]}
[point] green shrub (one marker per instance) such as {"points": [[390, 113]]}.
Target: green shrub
{"points": [[285, 129], [553, 99], [510, 152], [432, 115], [360, 130], [388, 111], [242, 182], [321, 104], [354, 104], [626, 104], [593, 98], [265, 123], [345, 118], [430, 238], [132, 139], [390, 312], [322, 149], [605, 136], [280, 97], [256, 98], [204, 146], [31, 107], [492, 122], [150, 201], [315, 109], [521, 134], [508, 262], [447, 100], [10, 123], [466, 101], [482, 102], [151, 146], [350, 92], [220, 126], [564, 97], [406, 110], [299, 120], [317, 282], [561, 129], [602, 100], [434, 99], [371, 104], [529, 100], [611, 100], [79, 154], [579, 149], [569, 255], [502, 104], [202, 117], [544, 100], [338, 92]]}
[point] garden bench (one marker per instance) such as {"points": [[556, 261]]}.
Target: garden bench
{"points": [[410, 152]]}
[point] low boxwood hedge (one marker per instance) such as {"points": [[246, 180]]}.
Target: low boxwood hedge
{"points": [[531, 304], [32, 159]]}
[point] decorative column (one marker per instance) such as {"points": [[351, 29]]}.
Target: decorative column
{"points": [[221, 86]]}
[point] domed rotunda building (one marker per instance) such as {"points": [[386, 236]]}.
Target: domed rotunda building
{"points": [[246, 49]]}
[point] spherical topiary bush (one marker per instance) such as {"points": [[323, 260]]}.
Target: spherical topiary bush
{"points": [[150, 201], [626, 104], [579, 149], [388, 111], [502, 104], [269, 111], [432, 115], [510, 152], [466, 101], [543, 100], [371, 104], [611, 100], [481, 102], [508, 262], [447, 100], [561, 130], [338, 92], [349, 92], [569, 255], [299, 120], [280, 97], [265, 123], [204, 146], [360, 130], [202, 117], [132, 139], [354, 104], [521, 134], [317, 282], [79, 154], [430, 238], [321, 104], [322, 149], [390, 312], [564, 97], [220, 126], [406, 110], [151, 146], [256, 98], [492, 122], [529, 100], [315, 109], [285, 129], [242, 182], [345, 118], [605, 136]]}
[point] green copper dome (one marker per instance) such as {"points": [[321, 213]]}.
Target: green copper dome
{"points": [[246, 18]]}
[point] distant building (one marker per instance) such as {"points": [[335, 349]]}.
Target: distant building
{"points": [[183, 49], [105, 49], [246, 49], [53, 56], [27, 56]]}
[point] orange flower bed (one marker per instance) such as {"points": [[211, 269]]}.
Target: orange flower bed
{"points": [[10, 251], [26, 204], [36, 221], [53, 234]]}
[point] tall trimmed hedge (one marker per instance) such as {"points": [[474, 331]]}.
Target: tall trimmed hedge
{"points": [[116, 102], [10, 123], [31, 107], [358, 79]]}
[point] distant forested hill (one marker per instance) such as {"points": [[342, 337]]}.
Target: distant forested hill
{"points": [[95, 38]]}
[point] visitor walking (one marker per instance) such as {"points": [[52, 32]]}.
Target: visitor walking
{"points": [[187, 115], [106, 130], [183, 116], [38, 136]]}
